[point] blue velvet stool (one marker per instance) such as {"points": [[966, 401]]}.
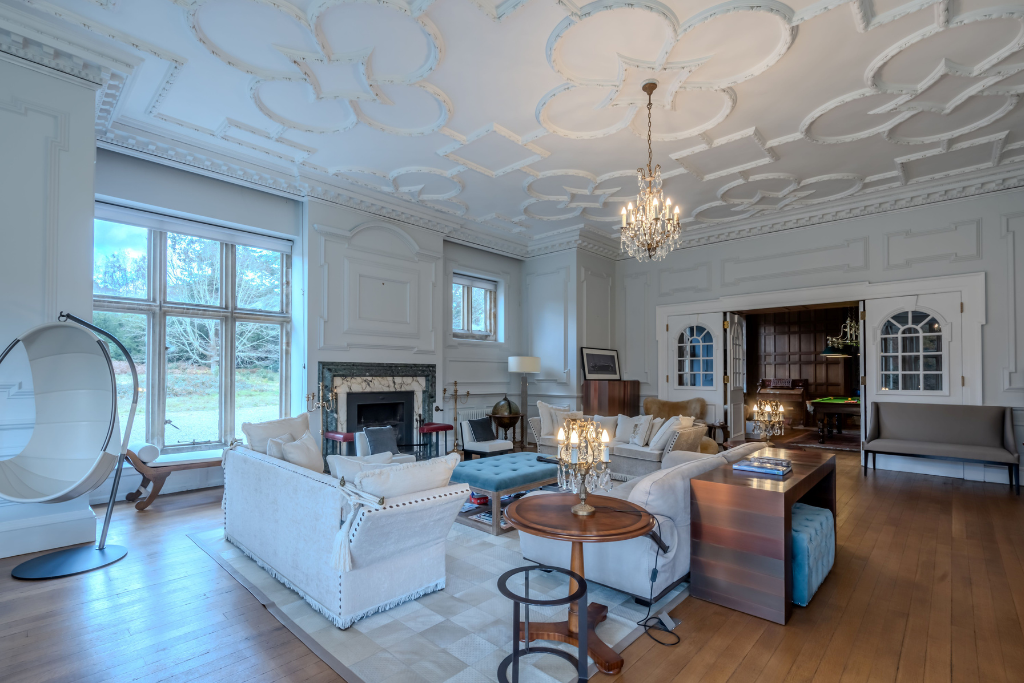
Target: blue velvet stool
{"points": [[814, 550], [498, 476]]}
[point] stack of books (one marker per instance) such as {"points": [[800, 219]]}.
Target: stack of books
{"points": [[764, 465]]}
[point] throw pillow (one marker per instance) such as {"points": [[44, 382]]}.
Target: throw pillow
{"points": [[641, 431], [624, 428], [411, 477], [662, 435], [608, 424], [656, 424], [305, 453], [349, 466], [258, 433], [547, 418], [275, 447], [381, 439], [563, 414], [481, 428]]}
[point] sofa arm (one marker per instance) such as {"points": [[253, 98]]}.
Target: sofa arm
{"points": [[535, 428], [873, 428]]}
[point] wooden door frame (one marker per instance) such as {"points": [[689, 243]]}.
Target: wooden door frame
{"points": [[972, 293]]}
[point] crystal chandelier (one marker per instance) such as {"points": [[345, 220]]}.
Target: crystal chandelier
{"points": [[769, 419], [651, 230]]}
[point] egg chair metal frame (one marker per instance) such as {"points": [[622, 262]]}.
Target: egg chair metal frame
{"points": [[82, 559]]}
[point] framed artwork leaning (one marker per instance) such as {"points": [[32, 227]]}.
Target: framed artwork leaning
{"points": [[600, 363]]}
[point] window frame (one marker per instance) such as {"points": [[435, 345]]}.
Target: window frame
{"points": [[680, 345], [468, 283], [157, 308], [944, 334]]}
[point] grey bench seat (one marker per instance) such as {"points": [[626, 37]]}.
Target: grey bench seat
{"points": [[980, 434]]}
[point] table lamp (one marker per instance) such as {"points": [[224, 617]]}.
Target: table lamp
{"points": [[526, 365]]}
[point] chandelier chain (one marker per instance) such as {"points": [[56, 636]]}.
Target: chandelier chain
{"points": [[650, 152]]}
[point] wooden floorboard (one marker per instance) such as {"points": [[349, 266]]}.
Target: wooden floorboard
{"points": [[928, 585]]}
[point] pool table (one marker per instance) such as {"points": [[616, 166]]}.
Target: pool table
{"points": [[830, 412]]}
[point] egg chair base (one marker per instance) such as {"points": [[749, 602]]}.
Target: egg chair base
{"points": [[68, 562]]}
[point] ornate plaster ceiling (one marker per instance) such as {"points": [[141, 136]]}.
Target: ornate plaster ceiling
{"points": [[523, 120]]}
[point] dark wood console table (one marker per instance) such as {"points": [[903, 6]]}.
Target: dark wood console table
{"points": [[740, 525], [550, 516]]}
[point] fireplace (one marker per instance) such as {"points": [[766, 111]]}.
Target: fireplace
{"points": [[393, 409]]}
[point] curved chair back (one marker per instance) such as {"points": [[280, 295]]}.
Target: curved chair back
{"points": [[76, 417]]}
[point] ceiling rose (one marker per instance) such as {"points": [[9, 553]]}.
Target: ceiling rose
{"points": [[651, 230]]}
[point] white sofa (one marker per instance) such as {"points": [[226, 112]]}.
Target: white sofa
{"points": [[287, 518], [627, 565], [629, 460]]}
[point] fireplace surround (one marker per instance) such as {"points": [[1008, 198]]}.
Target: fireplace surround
{"points": [[377, 378]]}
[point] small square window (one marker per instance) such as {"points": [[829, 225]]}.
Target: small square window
{"points": [[474, 308]]}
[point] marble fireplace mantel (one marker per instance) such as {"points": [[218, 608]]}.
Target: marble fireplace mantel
{"points": [[346, 378]]}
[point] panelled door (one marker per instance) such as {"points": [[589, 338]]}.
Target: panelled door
{"points": [[736, 334], [695, 361]]}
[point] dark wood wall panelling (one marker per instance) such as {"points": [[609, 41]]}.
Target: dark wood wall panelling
{"points": [[788, 345]]}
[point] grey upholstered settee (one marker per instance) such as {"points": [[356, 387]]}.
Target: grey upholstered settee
{"points": [[979, 434]]}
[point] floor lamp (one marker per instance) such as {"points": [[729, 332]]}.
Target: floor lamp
{"points": [[526, 365]]}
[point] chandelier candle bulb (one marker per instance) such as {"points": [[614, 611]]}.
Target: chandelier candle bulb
{"points": [[604, 446]]}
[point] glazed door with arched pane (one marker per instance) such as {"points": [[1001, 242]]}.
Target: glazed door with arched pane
{"points": [[695, 361]]}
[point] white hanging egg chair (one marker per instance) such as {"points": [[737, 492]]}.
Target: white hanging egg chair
{"points": [[74, 443]]}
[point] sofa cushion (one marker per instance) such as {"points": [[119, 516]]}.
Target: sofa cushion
{"points": [[349, 466], [258, 433], [481, 429], [489, 446], [608, 424], [940, 423], [548, 425], [682, 457], [637, 452], [398, 480], [941, 450], [212, 457], [146, 452], [548, 441], [304, 452], [275, 446]]}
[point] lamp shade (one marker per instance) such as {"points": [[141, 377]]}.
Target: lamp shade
{"points": [[523, 364], [834, 352]]}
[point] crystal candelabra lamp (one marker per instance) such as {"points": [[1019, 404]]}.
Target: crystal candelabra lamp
{"points": [[768, 419], [583, 461]]}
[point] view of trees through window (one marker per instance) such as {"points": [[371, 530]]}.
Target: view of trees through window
{"points": [[474, 308], [200, 327]]}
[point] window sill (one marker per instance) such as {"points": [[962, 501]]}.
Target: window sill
{"points": [[468, 338]]}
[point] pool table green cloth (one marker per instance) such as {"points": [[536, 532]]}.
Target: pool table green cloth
{"points": [[830, 412]]}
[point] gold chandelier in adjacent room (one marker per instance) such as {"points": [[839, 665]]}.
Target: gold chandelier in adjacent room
{"points": [[651, 230]]}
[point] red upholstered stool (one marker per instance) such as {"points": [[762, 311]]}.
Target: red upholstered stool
{"points": [[436, 428], [339, 438]]}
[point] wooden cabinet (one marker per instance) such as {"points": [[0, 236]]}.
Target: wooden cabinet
{"points": [[611, 397]]}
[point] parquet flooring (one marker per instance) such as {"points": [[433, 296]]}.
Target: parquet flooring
{"points": [[928, 586]]}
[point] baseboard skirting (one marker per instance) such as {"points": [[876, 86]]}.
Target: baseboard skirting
{"points": [[46, 532]]}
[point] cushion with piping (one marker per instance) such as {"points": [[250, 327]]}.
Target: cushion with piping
{"points": [[258, 433], [412, 477], [305, 453], [661, 437], [482, 430], [608, 424], [275, 446], [381, 439], [547, 418], [349, 466]]}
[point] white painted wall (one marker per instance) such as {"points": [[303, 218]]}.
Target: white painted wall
{"points": [[983, 234], [46, 191]]}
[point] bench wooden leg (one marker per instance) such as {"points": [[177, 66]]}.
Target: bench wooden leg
{"points": [[158, 483], [138, 492]]}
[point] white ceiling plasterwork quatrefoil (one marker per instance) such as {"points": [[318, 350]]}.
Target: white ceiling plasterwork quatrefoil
{"points": [[302, 81], [608, 49]]}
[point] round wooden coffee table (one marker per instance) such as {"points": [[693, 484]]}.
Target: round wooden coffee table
{"points": [[550, 516]]}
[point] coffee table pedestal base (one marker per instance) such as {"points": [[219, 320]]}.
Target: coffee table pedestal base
{"points": [[607, 660]]}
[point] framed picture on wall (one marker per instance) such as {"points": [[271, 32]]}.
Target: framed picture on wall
{"points": [[600, 363]]}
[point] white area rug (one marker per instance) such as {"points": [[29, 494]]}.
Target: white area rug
{"points": [[458, 635]]}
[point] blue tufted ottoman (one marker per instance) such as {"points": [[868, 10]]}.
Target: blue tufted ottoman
{"points": [[814, 550], [499, 476]]}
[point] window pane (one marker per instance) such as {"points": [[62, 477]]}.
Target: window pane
{"points": [[911, 344], [258, 279], [911, 363], [890, 328], [120, 257], [933, 382], [902, 318], [130, 330], [932, 363], [709, 380], [889, 345], [911, 382], [932, 326], [457, 307], [890, 382], [479, 310], [889, 363], [257, 373], [917, 317], [932, 342], [708, 366], [193, 381], [193, 270]]}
